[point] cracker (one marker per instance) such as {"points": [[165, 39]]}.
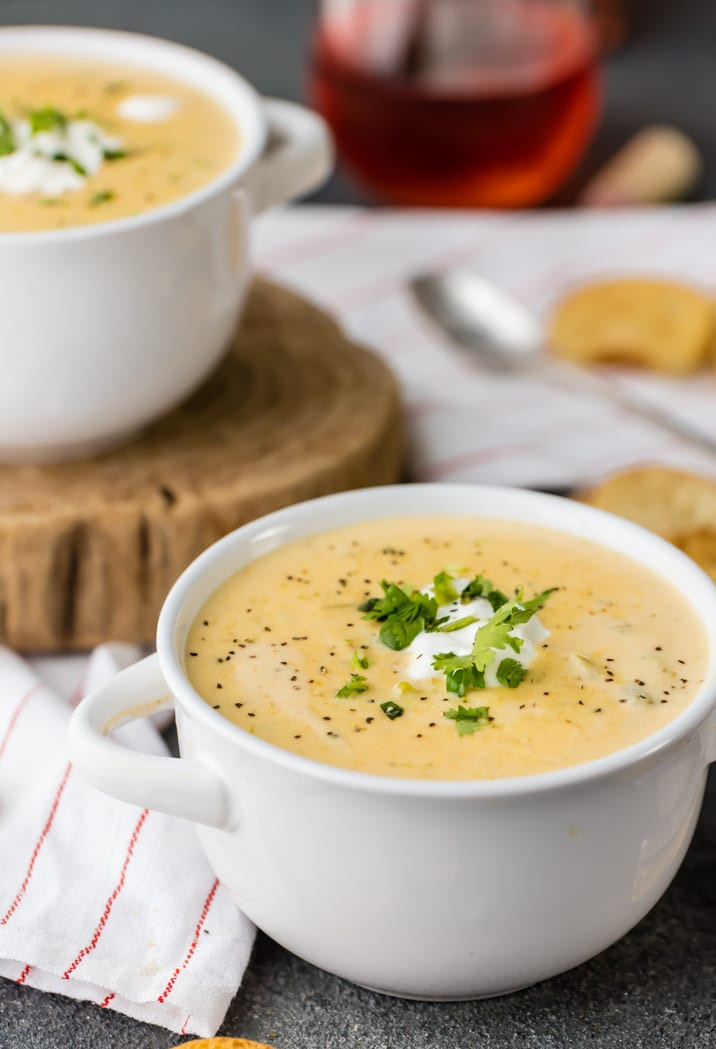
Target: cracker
{"points": [[677, 505], [656, 324]]}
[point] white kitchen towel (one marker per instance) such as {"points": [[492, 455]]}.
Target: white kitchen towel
{"points": [[465, 424], [100, 900]]}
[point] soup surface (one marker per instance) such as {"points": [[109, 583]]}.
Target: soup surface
{"points": [[481, 672], [85, 142]]}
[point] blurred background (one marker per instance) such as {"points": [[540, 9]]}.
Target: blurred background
{"points": [[387, 57]]}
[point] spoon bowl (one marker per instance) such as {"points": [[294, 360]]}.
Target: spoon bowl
{"points": [[503, 335]]}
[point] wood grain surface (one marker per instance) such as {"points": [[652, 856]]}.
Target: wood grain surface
{"points": [[89, 549]]}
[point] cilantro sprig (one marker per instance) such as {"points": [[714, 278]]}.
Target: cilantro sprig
{"points": [[356, 683], [7, 137], [463, 673], [104, 196], [482, 587], [65, 158], [510, 673], [404, 613], [47, 119], [444, 589], [468, 719]]}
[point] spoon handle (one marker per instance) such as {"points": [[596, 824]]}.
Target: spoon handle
{"points": [[572, 377]]}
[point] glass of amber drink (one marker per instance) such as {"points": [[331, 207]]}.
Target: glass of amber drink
{"points": [[468, 103]]}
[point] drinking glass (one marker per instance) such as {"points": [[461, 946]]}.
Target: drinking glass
{"points": [[486, 103]]}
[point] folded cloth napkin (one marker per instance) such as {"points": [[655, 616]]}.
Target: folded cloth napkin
{"points": [[100, 900], [465, 423]]}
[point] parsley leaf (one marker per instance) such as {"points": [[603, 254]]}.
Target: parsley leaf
{"points": [[65, 158], [360, 662], [7, 138], [468, 719], [391, 709], [482, 587], [443, 588], [463, 673], [404, 614], [103, 197], [511, 673], [356, 684], [457, 624], [47, 119]]}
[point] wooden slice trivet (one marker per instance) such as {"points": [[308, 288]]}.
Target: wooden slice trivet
{"points": [[88, 550]]}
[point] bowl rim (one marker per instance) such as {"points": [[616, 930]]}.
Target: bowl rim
{"points": [[245, 95], [651, 747]]}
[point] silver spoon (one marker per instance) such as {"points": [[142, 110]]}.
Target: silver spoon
{"points": [[505, 336]]}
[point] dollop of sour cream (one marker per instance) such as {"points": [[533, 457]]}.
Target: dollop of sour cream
{"points": [[54, 161], [148, 109], [426, 646]]}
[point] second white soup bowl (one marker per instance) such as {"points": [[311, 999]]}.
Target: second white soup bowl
{"points": [[107, 326], [416, 888]]}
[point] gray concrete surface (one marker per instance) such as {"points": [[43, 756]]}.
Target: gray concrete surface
{"points": [[657, 987]]}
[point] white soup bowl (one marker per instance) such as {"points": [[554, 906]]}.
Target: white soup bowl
{"points": [[107, 326], [416, 888]]}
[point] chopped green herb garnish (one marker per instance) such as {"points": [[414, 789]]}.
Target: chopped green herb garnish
{"points": [[115, 154], [403, 613], [356, 684], [65, 158], [443, 588], [458, 624], [461, 673], [7, 137], [511, 673], [392, 710], [467, 672], [103, 197], [47, 119], [481, 587], [360, 662], [468, 719]]}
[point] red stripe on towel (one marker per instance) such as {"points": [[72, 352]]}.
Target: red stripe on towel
{"points": [[38, 846], [16, 714], [194, 943], [104, 918], [24, 974]]}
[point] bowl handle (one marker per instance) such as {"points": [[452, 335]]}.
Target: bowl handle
{"points": [[185, 787], [298, 155]]}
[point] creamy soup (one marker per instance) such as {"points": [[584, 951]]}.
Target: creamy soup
{"points": [[85, 142], [437, 648]]}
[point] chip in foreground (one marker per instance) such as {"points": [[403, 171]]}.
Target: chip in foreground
{"points": [[223, 1043]]}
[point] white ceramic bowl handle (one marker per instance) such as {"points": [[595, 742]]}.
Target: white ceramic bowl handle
{"points": [[178, 786], [297, 158]]}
